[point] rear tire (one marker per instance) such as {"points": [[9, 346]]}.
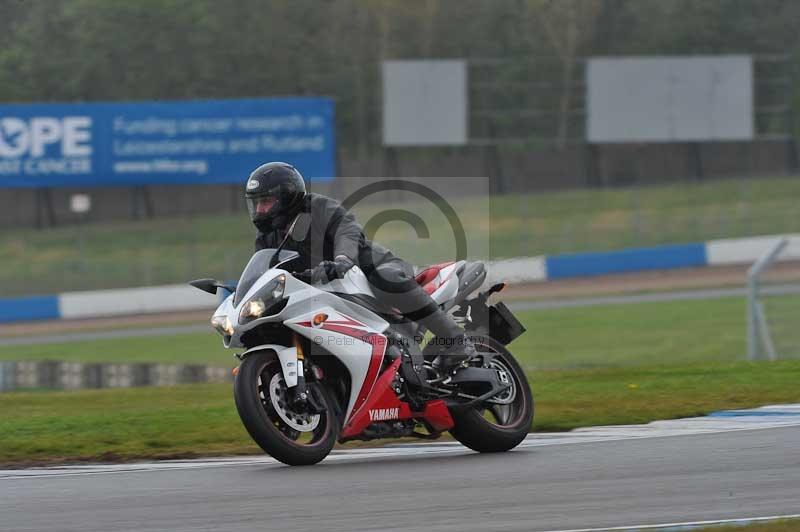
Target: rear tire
{"points": [[258, 377], [472, 428]]}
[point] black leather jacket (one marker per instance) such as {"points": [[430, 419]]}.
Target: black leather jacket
{"points": [[332, 231]]}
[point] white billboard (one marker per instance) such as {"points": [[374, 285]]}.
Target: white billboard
{"points": [[670, 99], [424, 103]]}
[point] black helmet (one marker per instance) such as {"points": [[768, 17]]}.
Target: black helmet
{"points": [[274, 192]]}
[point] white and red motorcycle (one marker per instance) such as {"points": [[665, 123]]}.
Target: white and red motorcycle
{"points": [[330, 363]]}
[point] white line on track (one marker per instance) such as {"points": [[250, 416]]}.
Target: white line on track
{"points": [[688, 525], [767, 417]]}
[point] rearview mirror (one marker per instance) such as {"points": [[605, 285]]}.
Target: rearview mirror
{"points": [[211, 285], [206, 285]]}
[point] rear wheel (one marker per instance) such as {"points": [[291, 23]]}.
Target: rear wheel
{"points": [[262, 399], [501, 423]]}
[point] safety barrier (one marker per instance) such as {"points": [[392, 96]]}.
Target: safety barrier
{"points": [[48, 374], [158, 299]]}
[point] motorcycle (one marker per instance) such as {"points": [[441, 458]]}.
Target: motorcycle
{"points": [[327, 363]]}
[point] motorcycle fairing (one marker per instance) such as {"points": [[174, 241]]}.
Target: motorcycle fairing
{"points": [[357, 345], [288, 357], [355, 282], [383, 399], [440, 281], [301, 297]]}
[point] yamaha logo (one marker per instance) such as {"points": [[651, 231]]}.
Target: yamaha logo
{"points": [[253, 183], [383, 414]]}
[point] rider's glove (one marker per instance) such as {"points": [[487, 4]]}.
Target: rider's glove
{"points": [[327, 270]]}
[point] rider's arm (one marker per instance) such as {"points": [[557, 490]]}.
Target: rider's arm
{"points": [[339, 227], [347, 237], [342, 229]]}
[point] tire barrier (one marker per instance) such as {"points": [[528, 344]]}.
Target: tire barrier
{"points": [[55, 375]]}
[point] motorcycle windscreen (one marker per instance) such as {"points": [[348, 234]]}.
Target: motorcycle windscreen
{"points": [[258, 266]]}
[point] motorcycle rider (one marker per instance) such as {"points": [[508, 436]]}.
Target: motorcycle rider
{"points": [[333, 242]]}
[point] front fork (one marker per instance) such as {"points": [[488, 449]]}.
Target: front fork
{"points": [[292, 360], [301, 396]]}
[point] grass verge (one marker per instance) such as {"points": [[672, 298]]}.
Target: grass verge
{"points": [[195, 420], [677, 332], [192, 348]]}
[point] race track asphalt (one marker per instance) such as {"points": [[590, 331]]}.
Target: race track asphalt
{"points": [[748, 473]]}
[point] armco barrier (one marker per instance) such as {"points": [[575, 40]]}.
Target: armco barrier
{"points": [[29, 308], [748, 250], [127, 301], [158, 299], [626, 260]]}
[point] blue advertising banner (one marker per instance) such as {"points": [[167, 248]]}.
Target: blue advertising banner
{"points": [[189, 142]]}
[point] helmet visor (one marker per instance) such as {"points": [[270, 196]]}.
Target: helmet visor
{"points": [[262, 206]]}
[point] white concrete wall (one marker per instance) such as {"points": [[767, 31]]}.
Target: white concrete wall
{"points": [[129, 301], [748, 250], [520, 270]]}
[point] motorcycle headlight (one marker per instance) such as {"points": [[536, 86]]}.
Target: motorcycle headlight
{"points": [[223, 325], [258, 305]]}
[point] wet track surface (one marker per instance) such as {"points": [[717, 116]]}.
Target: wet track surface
{"points": [[550, 483]]}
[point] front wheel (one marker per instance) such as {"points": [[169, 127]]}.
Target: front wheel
{"points": [[261, 395], [501, 423]]}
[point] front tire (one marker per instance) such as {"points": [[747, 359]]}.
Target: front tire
{"points": [[511, 422], [288, 436]]}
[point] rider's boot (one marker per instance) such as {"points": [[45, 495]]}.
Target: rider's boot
{"points": [[459, 351], [451, 345]]}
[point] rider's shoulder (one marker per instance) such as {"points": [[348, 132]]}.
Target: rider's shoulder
{"points": [[320, 201]]}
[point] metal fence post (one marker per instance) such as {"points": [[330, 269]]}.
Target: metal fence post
{"points": [[752, 328], [757, 329]]}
